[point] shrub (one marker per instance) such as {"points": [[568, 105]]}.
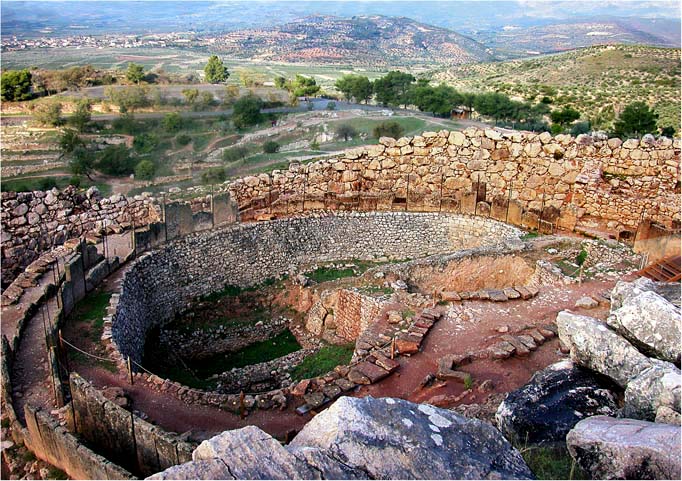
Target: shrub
{"points": [[235, 153], [145, 143], [172, 122], [214, 175], [49, 114], [116, 160], [581, 128], [247, 111], [331, 105], [183, 139], [388, 129], [346, 131], [75, 181], [144, 170], [270, 147]]}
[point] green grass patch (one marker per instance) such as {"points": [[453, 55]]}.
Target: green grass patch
{"points": [[92, 310], [263, 351], [530, 235], [48, 182], [56, 473], [323, 361], [326, 274], [552, 463]]}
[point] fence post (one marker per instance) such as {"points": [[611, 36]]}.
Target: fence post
{"points": [[407, 193], [130, 371]]}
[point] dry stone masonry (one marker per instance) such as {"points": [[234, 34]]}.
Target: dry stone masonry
{"points": [[163, 282]]}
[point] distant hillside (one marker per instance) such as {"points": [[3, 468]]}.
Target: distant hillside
{"points": [[366, 41], [597, 81], [516, 41]]}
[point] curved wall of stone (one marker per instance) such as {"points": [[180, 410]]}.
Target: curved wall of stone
{"points": [[161, 282]]}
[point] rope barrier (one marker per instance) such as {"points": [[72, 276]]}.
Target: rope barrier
{"points": [[87, 353]]}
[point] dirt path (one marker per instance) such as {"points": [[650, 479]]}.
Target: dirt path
{"points": [[475, 329]]}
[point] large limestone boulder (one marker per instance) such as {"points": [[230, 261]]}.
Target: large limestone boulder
{"points": [[650, 323], [596, 347], [395, 439], [655, 387], [250, 453], [554, 400], [610, 448], [623, 291], [648, 383]]}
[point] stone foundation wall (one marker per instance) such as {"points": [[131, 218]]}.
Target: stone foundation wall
{"points": [[523, 178], [206, 342], [33, 222], [122, 436], [353, 312], [162, 282]]}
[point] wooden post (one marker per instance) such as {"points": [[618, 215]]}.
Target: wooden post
{"points": [[407, 193], [393, 348], [130, 371], [440, 200], [241, 405]]}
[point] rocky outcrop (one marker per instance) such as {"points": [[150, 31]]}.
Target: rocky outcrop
{"points": [[551, 403], [362, 439], [655, 387], [651, 323], [395, 439], [610, 448], [596, 347], [648, 383]]}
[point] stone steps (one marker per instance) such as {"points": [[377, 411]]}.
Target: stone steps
{"points": [[521, 344], [372, 367], [494, 295]]}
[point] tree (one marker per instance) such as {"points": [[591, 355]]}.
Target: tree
{"points": [[127, 99], [144, 170], [439, 100], [191, 95], [304, 86], [280, 82], [564, 116], [215, 71], [135, 73], [393, 88], [356, 87], [247, 111], [15, 85], [346, 131], [116, 160], [636, 119], [68, 141], [270, 147], [388, 129], [235, 153], [81, 116], [82, 162], [172, 122], [668, 131], [214, 175], [49, 114], [495, 105]]}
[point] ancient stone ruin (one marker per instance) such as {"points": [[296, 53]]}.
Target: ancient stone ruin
{"points": [[418, 308]]}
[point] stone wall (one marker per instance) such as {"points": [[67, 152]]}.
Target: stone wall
{"points": [[206, 342], [122, 436], [161, 283], [523, 178], [34, 222]]}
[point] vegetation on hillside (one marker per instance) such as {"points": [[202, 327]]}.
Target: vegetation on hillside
{"points": [[599, 82]]}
